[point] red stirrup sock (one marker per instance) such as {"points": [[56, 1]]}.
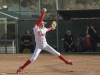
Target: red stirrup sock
{"points": [[27, 63], [66, 61], [62, 58]]}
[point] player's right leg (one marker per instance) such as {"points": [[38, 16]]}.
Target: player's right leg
{"points": [[34, 56]]}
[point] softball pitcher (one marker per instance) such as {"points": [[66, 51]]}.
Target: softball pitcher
{"points": [[39, 31]]}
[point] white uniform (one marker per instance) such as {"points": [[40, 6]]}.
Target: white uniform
{"points": [[41, 43]]}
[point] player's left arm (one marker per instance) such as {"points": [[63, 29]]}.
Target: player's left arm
{"points": [[52, 26], [49, 29]]}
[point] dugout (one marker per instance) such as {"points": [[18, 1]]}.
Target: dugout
{"points": [[77, 20]]}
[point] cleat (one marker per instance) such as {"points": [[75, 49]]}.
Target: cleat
{"points": [[19, 70], [69, 62]]}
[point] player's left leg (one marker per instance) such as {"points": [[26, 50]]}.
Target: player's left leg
{"points": [[33, 58], [54, 52]]}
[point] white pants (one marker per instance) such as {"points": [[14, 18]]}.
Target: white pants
{"points": [[45, 47]]}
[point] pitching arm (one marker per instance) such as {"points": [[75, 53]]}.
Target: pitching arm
{"points": [[41, 17]]}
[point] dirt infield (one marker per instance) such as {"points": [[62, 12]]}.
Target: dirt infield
{"points": [[50, 65]]}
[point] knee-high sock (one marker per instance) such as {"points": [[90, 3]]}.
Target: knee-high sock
{"points": [[26, 63], [62, 58]]}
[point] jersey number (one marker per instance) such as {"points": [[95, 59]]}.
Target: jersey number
{"points": [[41, 34]]}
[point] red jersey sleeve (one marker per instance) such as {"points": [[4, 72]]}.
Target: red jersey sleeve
{"points": [[40, 19]]}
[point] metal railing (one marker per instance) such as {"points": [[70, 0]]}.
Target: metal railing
{"points": [[11, 48]]}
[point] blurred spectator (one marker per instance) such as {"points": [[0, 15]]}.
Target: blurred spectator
{"points": [[26, 44], [92, 31], [81, 44], [68, 40]]}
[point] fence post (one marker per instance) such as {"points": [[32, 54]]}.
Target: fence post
{"points": [[5, 35], [13, 45], [16, 34]]}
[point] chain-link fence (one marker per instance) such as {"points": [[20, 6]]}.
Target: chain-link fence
{"points": [[77, 27], [54, 37], [7, 36], [52, 4], [28, 11]]}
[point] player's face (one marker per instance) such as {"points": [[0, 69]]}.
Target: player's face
{"points": [[42, 25]]}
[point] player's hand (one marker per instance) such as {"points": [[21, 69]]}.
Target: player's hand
{"points": [[44, 9]]}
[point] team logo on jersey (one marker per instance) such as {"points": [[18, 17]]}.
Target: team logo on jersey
{"points": [[40, 33]]}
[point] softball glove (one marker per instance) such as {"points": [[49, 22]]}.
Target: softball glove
{"points": [[53, 25]]}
